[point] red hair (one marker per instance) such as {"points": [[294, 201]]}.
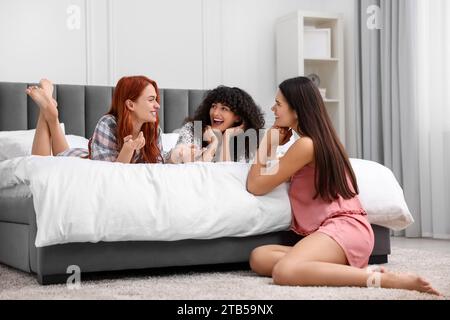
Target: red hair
{"points": [[131, 88]]}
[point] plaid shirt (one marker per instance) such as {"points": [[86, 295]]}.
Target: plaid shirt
{"points": [[103, 144]]}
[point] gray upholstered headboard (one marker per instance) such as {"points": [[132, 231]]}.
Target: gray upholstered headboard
{"points": [[80, 107]]}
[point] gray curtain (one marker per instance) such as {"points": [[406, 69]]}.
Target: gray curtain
{"points": [[387, 129]]}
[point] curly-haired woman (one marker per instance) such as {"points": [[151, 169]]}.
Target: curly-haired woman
{"points": [[227, 119]]}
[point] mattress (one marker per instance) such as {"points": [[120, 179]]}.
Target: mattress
{"points": [[20, 191], [16, 209]]}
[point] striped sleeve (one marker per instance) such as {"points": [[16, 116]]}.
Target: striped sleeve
{"points": [[103, 144]]}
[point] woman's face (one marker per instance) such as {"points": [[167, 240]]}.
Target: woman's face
{"points": [[285, 117], [222, 118], [145, 108]]}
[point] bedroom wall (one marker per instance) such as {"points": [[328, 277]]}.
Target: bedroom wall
{"points": [[193, 44], [35, 41]]}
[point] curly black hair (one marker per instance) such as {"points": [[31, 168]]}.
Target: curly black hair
{"points": [[239, 102]]}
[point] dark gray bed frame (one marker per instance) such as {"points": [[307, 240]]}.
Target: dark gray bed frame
{"points": [[80, 107]]}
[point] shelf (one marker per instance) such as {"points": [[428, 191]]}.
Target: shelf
{"points": [[294, 58], [321, 60]]}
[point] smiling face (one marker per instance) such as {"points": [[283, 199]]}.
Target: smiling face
{"points": [[222, 118], [285, 116], [145, 108]]}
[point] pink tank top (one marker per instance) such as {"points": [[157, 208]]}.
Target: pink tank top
{"points": [[309, 213]]}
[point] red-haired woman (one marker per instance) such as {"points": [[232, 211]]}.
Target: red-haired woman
{"points": [[338, 239], [128, 133]]}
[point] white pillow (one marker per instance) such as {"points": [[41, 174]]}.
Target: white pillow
{"points": [[77, 142], [381, 195], [169, 140], [24, 132], [18, 143]]}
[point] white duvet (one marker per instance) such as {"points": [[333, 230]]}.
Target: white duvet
{"points": [[79, 200]]}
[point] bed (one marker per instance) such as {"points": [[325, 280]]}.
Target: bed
{"points": [[80, 107]]}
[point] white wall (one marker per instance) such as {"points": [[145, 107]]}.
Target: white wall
{"points": [[248, 44], [162, 39], [35, 42], [180, 43]]}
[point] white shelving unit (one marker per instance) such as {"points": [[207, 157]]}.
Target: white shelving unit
{"points": [[291, 61]]}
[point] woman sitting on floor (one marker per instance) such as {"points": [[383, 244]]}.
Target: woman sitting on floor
{"points": [[338, 238]]}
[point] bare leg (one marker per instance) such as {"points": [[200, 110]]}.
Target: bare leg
{"points": [[49, 112], [318, 260], [263, 259], [42, 144], [59, 142]]}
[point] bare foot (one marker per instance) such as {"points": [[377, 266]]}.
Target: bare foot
{"points": [[46, 103], [47, 85], [408, 281]]}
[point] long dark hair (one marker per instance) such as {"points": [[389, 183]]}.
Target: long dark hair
{"points": [[240, 103], [332, 163]]}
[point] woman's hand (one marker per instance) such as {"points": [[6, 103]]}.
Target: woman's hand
{"points": [[235, 131], [284, 134], [134, 144], [130, 145], [229, 134], [183, 153], [210, 135]]}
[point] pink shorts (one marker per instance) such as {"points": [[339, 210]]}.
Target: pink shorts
{"points": [[354, 234]]}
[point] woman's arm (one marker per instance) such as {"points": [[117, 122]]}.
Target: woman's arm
{"points": [[185, 149], [225, 152], [129, 146], [227, 136], [261, 180], [125, 155], [104, 145], [210, 151]]}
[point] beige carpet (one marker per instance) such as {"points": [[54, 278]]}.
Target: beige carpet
{"points": [[227, 284]]}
